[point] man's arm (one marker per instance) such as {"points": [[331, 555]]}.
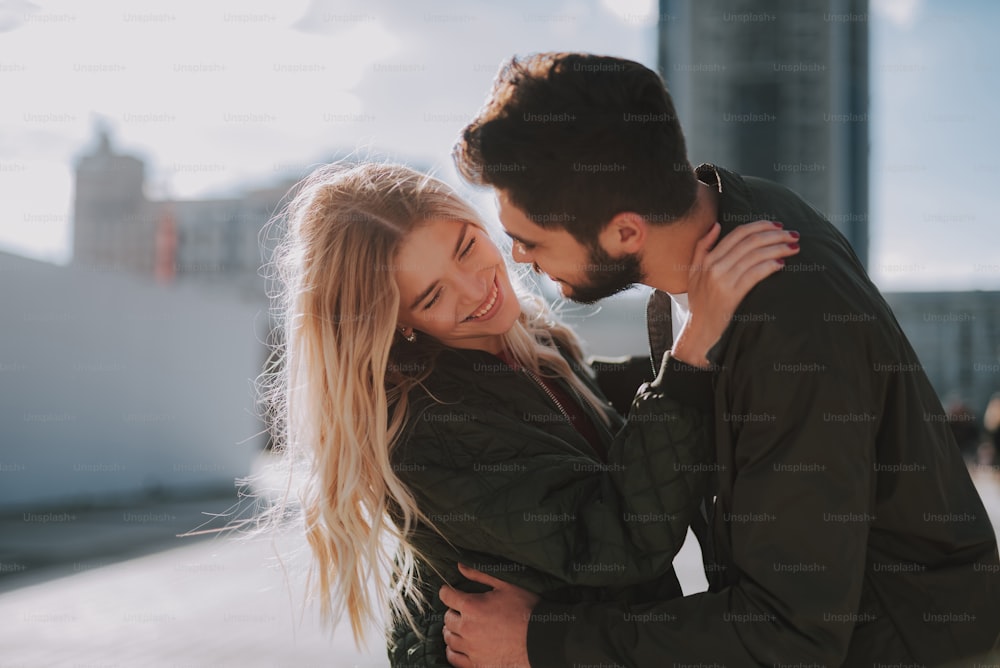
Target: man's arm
{"points": [[798, 520], [562, 514], [619, 377]]}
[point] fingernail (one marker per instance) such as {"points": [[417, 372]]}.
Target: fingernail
{"points": [[794, 235], [793, 246], [776, 224], [781, 262]]}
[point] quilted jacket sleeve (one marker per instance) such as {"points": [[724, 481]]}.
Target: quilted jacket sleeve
{"points": [[423, 647], [618, 378], [547, 521], [568, 519]]}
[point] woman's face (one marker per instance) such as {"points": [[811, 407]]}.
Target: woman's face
{"points": [[453, 285]]}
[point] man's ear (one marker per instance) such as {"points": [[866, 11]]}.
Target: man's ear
{"points": [[625, 234]]}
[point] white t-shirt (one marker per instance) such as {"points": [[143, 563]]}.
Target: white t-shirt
{"points": [[679, 312]]}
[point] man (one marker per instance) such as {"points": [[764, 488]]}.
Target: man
{"points": [[843, 527]]}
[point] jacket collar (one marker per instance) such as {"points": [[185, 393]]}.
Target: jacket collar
{"points": [[735, 201], [735, 208]]}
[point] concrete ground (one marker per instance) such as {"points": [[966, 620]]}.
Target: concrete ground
{"points": [[210, 603], [216, 602]]}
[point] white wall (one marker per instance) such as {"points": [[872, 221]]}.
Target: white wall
{"points": [[111, 385]]}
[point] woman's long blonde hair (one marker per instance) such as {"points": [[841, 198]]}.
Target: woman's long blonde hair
{"points": [[340, 388]]}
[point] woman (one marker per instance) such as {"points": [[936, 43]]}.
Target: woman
{"points": [[439, 406]]}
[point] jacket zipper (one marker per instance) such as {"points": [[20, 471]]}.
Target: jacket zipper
{"points": [[593, 418], [550, 394]]}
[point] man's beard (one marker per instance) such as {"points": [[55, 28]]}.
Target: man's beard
{"points": [[606, 276]]}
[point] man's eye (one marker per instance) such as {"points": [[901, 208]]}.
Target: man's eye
{"points": [[433, 301]]}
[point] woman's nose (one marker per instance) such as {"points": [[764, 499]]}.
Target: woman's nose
{"points": [[475, 287]]}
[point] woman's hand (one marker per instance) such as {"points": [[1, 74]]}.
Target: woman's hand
{"points": [[720, 277]]}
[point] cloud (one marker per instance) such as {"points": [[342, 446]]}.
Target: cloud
{"points": [[633, 12], [901, 13], [13, 13]]}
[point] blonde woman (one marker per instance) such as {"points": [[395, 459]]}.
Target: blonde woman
{"points": [[446, 417]]}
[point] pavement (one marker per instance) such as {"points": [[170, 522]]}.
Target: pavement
{"points": [[215, 602]]}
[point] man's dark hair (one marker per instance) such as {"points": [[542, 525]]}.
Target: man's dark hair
{"points": [[574, 139]]}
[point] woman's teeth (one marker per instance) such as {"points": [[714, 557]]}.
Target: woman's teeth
{"points": [[489, 305]]}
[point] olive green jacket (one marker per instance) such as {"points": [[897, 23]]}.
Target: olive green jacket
{"points": [[517, 492]]}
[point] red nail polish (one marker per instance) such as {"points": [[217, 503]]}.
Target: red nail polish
{"points": [[777, 224], [781, 262], [793, 246], [794, 235]]}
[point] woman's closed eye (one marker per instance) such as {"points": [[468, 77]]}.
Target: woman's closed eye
{"points": [[468, 249], [437, 296], [465, 251]]}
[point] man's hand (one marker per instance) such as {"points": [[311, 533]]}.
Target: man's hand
{"points": [[488, 629]]}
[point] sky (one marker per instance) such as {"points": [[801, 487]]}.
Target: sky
{"points": [[221, 95], [935, 88]]}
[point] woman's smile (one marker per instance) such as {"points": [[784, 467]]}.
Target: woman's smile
{"points": [[488, 308]]}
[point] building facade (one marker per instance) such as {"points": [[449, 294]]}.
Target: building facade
{"points": [[116, 227], [957, 337], [776, 89], [115, 389], [113, 222]]}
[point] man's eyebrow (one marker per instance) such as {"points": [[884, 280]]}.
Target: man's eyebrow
{"points": [[458, 247], [519, 239]]}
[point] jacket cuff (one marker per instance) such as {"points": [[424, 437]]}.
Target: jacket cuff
{"points": [[687, 385], [548, 628]]}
